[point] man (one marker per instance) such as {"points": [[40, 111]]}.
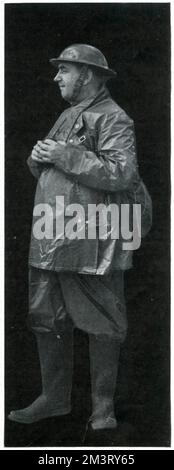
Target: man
{"points": [[88, 157]]}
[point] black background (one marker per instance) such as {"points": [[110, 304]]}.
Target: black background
{"points": [[136, 41]]}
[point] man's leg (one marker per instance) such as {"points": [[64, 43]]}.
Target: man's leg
{"points": [[54, 334], [104, 359], [96, 305]]}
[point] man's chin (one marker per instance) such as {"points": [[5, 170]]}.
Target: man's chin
{"points": [[64, 95]]}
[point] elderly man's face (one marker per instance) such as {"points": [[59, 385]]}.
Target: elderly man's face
{"points": [[66, 77]]}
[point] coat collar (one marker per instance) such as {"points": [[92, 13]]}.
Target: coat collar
{"points": [[101, 95]]}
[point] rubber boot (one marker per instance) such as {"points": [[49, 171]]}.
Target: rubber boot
{"points": [[104, 357], [56, 362]]}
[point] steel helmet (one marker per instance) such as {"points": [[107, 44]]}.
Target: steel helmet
{"points": [[84, 54]]}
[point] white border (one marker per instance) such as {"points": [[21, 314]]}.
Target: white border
{"points": [[2, 229]]}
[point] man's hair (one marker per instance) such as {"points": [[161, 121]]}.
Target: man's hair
{"points": [[100, 75]]}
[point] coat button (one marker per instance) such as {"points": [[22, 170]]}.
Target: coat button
{"points": [[71, 141]]}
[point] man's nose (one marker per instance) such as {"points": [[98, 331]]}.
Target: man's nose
{"points": [[57, 77]]}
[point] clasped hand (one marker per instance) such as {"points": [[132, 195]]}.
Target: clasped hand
{"points": [[43, 151]]}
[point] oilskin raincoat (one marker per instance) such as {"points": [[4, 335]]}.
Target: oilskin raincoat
{"points": [[98, 165]]}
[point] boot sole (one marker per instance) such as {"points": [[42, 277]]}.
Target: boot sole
{"points": [[26, 420]]}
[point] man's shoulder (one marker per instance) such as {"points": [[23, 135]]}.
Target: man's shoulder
{"points": [[108, 108]]}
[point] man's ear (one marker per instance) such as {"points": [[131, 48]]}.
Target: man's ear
{"points": [[89, 76]]}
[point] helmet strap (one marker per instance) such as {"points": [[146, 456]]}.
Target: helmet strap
{"points": [[79, 83]]}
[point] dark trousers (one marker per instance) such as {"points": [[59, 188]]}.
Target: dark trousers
{"points": [[95, 304], [92, 303]]}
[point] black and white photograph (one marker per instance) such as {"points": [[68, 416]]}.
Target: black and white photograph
{"points": [[87, 225]]}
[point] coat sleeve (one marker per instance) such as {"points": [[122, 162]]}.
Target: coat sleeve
{"points": [[35, 168], [114, 166]]}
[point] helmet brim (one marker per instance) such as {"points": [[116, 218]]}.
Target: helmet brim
{"points": [[105, 70]]}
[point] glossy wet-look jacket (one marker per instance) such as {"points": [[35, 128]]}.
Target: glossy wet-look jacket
{"points": [[97, 165]]}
